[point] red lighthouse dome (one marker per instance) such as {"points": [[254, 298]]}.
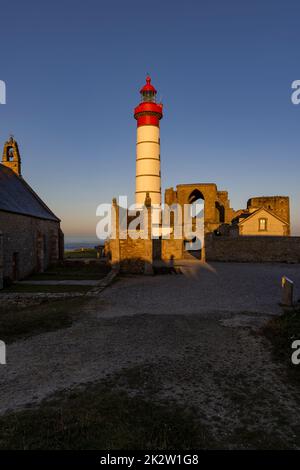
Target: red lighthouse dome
{"points": [[148, 112], [148, 88]]}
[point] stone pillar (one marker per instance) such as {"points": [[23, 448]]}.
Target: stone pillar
{"points": [[115, 236]]}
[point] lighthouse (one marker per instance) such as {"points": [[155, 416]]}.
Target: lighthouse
{"points": [[148, 114]]}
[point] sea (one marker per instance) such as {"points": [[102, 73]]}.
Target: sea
{"points": [[74, 243]]}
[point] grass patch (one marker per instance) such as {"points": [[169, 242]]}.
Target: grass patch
{"points": [[282, 331], [81, 272], [98, 418], [81, 253], [35, 288], [16, 323]]}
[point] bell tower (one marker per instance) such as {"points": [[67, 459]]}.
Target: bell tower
{"points": [[11, 156]]}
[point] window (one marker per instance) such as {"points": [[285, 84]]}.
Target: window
{"points": [[148, 96], [262, 225]]}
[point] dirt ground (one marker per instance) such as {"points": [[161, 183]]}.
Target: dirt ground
{"points": [[194, 338]]}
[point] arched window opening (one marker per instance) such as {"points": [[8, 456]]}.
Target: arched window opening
{"points": [[196, 213], [221, 212]]}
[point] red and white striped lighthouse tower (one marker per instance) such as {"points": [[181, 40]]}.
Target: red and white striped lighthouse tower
{"points": [[148, 114]]}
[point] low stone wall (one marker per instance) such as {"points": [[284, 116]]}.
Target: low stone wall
{"points": [[131, 256], [254, 249]]}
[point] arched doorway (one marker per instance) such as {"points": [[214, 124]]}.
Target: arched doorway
{"points": [[194, 246]]}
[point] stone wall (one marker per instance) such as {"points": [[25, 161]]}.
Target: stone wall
{"points": [[29, 244], [257, 249], [131, 256], [1, 260], [172, 249], [134, 254]]}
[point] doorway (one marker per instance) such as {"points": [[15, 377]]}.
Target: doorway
{"points": [[194, 245]]}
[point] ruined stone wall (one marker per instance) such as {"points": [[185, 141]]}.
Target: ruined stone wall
{"points": [[217, 208], [258, 249], [126, 253], [29, 244], [137, 255]]}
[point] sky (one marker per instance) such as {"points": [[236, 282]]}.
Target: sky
{"points": [[73, 70]]}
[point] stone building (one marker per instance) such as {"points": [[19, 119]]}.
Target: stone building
{"points": [[261, 222], [30, 234], [275, 219]]}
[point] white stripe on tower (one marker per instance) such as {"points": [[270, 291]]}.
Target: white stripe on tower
{"points": [[148, 164]]}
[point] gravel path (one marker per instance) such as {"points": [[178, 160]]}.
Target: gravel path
{"points": [[191, 337], [205, 289]]}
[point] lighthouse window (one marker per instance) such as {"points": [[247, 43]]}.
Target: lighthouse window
{"points": [[148, 96]]}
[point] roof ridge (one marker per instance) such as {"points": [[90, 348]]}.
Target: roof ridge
{"points": [[267, 210]]}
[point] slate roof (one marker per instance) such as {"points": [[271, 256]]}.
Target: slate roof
{"points": [[18, 197]]}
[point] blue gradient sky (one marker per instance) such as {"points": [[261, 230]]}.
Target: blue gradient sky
{"points": [[222, 68]]}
